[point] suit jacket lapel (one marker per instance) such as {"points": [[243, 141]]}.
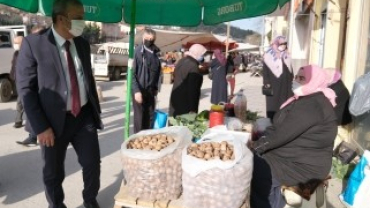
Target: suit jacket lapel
{"points": [[56, 56], [81, 55]]}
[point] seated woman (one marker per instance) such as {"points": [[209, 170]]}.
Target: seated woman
{"points": [[298, 147]]}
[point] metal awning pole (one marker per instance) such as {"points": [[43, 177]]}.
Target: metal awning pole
{"points": [[129, 68], [227, 38]]}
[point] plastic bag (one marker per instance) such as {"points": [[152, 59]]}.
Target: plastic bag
{"points": [[216, 183], [160, 119], [359, 102], [153, 175], [357, 192]]}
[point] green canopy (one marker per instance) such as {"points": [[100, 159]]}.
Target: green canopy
{"points": [[157, 12], [161, 12], [109, 11]]}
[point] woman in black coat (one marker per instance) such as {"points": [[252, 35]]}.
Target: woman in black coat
{"points": [[341, 109], [298, 147], [188, 82], [219, 82], [277, 75]]}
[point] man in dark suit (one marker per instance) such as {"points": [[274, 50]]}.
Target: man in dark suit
{"points": [[55, 81]]}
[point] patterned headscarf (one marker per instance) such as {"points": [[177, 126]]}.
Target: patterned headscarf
{"points": [[220, 57], [196, 51], [317, 81], [273, 56]]}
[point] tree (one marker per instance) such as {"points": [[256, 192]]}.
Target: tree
{"points": [[91, 33]]}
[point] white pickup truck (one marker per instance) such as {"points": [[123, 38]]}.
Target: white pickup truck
{"points": [[110, 61], [7, 33]]}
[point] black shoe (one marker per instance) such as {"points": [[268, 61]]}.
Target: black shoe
{"points": [[29, 142], [93, 204], [18, 125]]}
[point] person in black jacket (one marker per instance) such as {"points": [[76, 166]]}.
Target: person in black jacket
{"points": [[341, 109], [188, 82], [298, 147], [18, 123], [277, 75], [147, 68]]}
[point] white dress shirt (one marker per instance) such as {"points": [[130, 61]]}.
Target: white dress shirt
{"points": [[78, 66]]}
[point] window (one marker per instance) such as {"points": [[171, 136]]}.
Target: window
{"points": [[5, 40]]}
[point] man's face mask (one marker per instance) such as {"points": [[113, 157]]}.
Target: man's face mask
{"points": [[77, 27], [148, 43], [16, 47]]}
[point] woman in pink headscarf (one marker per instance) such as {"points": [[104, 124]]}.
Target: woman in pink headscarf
{"points": [[277, 75], [188, 82], [336, 84], [298, 148]]}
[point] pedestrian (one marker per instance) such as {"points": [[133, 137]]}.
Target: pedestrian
{"points": [[188, 82], [219, 82], [336, 84], [297, 150], [230, 77], [31, 140], [277, 76], [147, 69], [56, 83], [18, 121], [341, 110]]}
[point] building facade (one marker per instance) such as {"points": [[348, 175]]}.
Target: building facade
{"points": [[334, 33]]}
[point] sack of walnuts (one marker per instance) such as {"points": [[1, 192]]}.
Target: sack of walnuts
{"points": [[151, 162], [216, 172]]}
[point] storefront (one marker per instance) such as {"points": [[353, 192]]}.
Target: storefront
{"points": [[357, 62]]}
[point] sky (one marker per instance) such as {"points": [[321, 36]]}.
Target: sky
{"points": [[255, 24]]}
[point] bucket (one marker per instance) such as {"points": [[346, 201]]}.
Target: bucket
{"points": [[216, 118], [160, 119]]}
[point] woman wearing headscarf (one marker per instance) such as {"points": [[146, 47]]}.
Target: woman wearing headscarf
{"points": [[188, 82], [277, 75], [219, 83], [342, 108], [298, 147], [336, 84]]}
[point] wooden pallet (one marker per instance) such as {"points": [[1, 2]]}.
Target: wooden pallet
{"points": [[123, 200]]}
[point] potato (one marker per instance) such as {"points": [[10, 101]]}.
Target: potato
{"points": [[200, 154]]}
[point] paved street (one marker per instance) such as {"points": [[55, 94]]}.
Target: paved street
{"points": [[20, 167]]}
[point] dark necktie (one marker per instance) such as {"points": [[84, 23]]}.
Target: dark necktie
{"points": [[75, 92]]}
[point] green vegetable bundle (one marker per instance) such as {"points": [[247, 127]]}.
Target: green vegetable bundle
{"points": [[197, 124]]}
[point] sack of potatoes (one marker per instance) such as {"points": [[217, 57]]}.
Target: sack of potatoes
{"points": [[216, 174], [151, 163]]}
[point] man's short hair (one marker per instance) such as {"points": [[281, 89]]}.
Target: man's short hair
{"points": [[149, 31], [60, 7]]}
